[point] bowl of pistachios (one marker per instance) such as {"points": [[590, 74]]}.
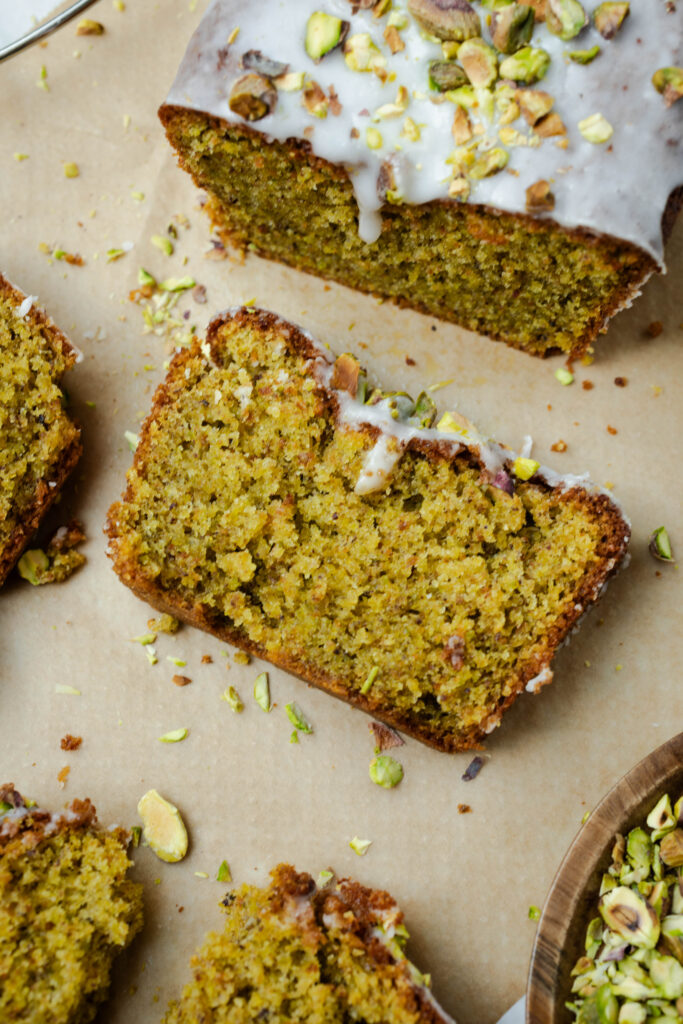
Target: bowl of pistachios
{"points": [[609, 945]]}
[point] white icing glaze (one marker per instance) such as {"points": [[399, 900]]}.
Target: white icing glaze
{"points": [[620, 188], [544, 677], [378, 465]]}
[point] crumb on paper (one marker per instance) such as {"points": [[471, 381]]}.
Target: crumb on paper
{"points": [[385, 737], [207, 659], [621, 382], [654, 329], [559, 446], [242, 658], [63, 775], [464, 809], [587, 385], [181, 680], [70, 742]]}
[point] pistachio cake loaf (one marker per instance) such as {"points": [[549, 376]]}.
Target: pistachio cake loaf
{"points": [[66, 910], [424, 575], [39, 444], [294, 952], [474, 161]]}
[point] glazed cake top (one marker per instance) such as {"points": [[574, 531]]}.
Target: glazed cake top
{"points": [[395, 133]]}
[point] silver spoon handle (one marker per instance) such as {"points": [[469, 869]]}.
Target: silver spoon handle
{"points": [[44, 30]]}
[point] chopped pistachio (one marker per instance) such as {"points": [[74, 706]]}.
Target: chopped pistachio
{"points": [[410, 130], [565, 18], [596, 128], [512, 27], [534, 913], [135, 835], [113, 254], [292, 81], [315, 100], [32, 564], [392, 38], [88, 27], [669, 81], [262, 691], [70, 691], [660, 545], [145, 278], [630, 916], [446, 74], [175, 736], [373, 138], [479, 61], [490, 162], [398, 19], [163, 828], [4, 807], [424, 412], [71, 170], [164, 624], [550, 125], [178, 662], [361, 54], [372, 675], [163, 244], [144, 639], [394, 109], [527, 65], [252, 97], [385, 771], [324, 878], [151, 655], [446, 19], [360, 846], [232, 697], [464, 96], [459, 188], [609, 17], [324, 33], [524, 469], [177, 284], [20, 156], [294, 737], [539, 198], [201, 874], [223, 874], [564, 376], [534, 104], [584, 56], [297, 718]]}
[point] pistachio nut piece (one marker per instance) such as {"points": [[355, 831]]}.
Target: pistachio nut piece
{"points": [[254, 60], [445, 75], [479, 61], [163, 828], [672, 935], [346, 373], [630, 916], [584, 56], [601, 1008], [361, 54], [424, 413], [565, 18], [661, 818], [252, 97], [527, 65], [671, 848], [660, 544], [511, 27], [667, 974], [639, 851], [632, 1013], [324, 33], [669, 81], [609, 17], [32, 565], [446, 19]]}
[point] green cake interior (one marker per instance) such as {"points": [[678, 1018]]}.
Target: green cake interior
{"points": [[525, 281], [441, 587]]}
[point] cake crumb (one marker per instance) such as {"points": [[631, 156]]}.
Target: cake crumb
{"points": [[207, 659], [621, 382], [63, 775], [181, 680], [410, 361], [464, 809], [70, 742], [612, 430], [654, 329], [587, 385], [559, 446], [242, 658]]}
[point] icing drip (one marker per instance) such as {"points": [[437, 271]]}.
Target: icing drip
{"points": [[378, 465]]}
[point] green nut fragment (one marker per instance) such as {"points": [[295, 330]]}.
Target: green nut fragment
{"points": [[584, 56], [527, 65], [596, 129], [223, 873], [360, 846], [297, 718], [4, 807], [145, 278], [524, 469], [446, 19], [324, 878], [660, 545], [175, 736], [372, 675], [445, 75], [488, 163], [630, 916], [479, 61], [669, 81], [424, 413], [564, 376], [291, 81], [163, 829], [162, 243], [361, 54], [71, 170], [373, 138], [177, 284], [262, 691], [144, 639], [609, 17], [534, 913], [638, 854], [672, 934], [89, 27], [594, 936], [565, 18], [671, 849], [385, 771], [232, 697], [164, 624], [32, 565], [70, 691], [252, 97], [512, 27], [601, 1008], [178, 662], [667, 975], [324, 33], [135, 835], [661, 818]]}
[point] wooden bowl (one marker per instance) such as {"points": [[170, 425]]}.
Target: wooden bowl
{"points": [[571, 901]]}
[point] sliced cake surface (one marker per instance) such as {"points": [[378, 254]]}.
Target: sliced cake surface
{"points": [[39, 443], [66, 910], [471, 162], [280, 502], [294, 952]]}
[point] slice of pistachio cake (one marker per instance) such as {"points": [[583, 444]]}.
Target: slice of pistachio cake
{"points": [[424, 575]]}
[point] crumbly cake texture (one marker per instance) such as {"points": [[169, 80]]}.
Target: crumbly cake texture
{"points": [[66, 910], [40, 443], [298, 953], [399, 568], [363, 175]]}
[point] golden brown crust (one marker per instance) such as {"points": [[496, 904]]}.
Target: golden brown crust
{"points": [[631, 278], [45, 495], [612, 549], [22, 833]]}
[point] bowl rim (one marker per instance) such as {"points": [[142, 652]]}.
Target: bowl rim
{"points": [[576, 882]]}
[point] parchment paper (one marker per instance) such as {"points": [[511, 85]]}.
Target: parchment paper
{"points": [[465, 881]]}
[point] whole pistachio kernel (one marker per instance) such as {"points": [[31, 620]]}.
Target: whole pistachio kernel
{"points": [[669, 81], [660, 545], [163, 829], [361, 54], [565, 18], [527, 65], [445, 75], [512, 27], [385, 771], [32, 565], [609, 17], [584, 56], [262, 691], [89, 27], [324, 33], [479, 61], [596, 129], [252, 97], [446, 19]]}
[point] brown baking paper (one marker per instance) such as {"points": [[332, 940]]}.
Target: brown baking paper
{"points": [[465, 880]]}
